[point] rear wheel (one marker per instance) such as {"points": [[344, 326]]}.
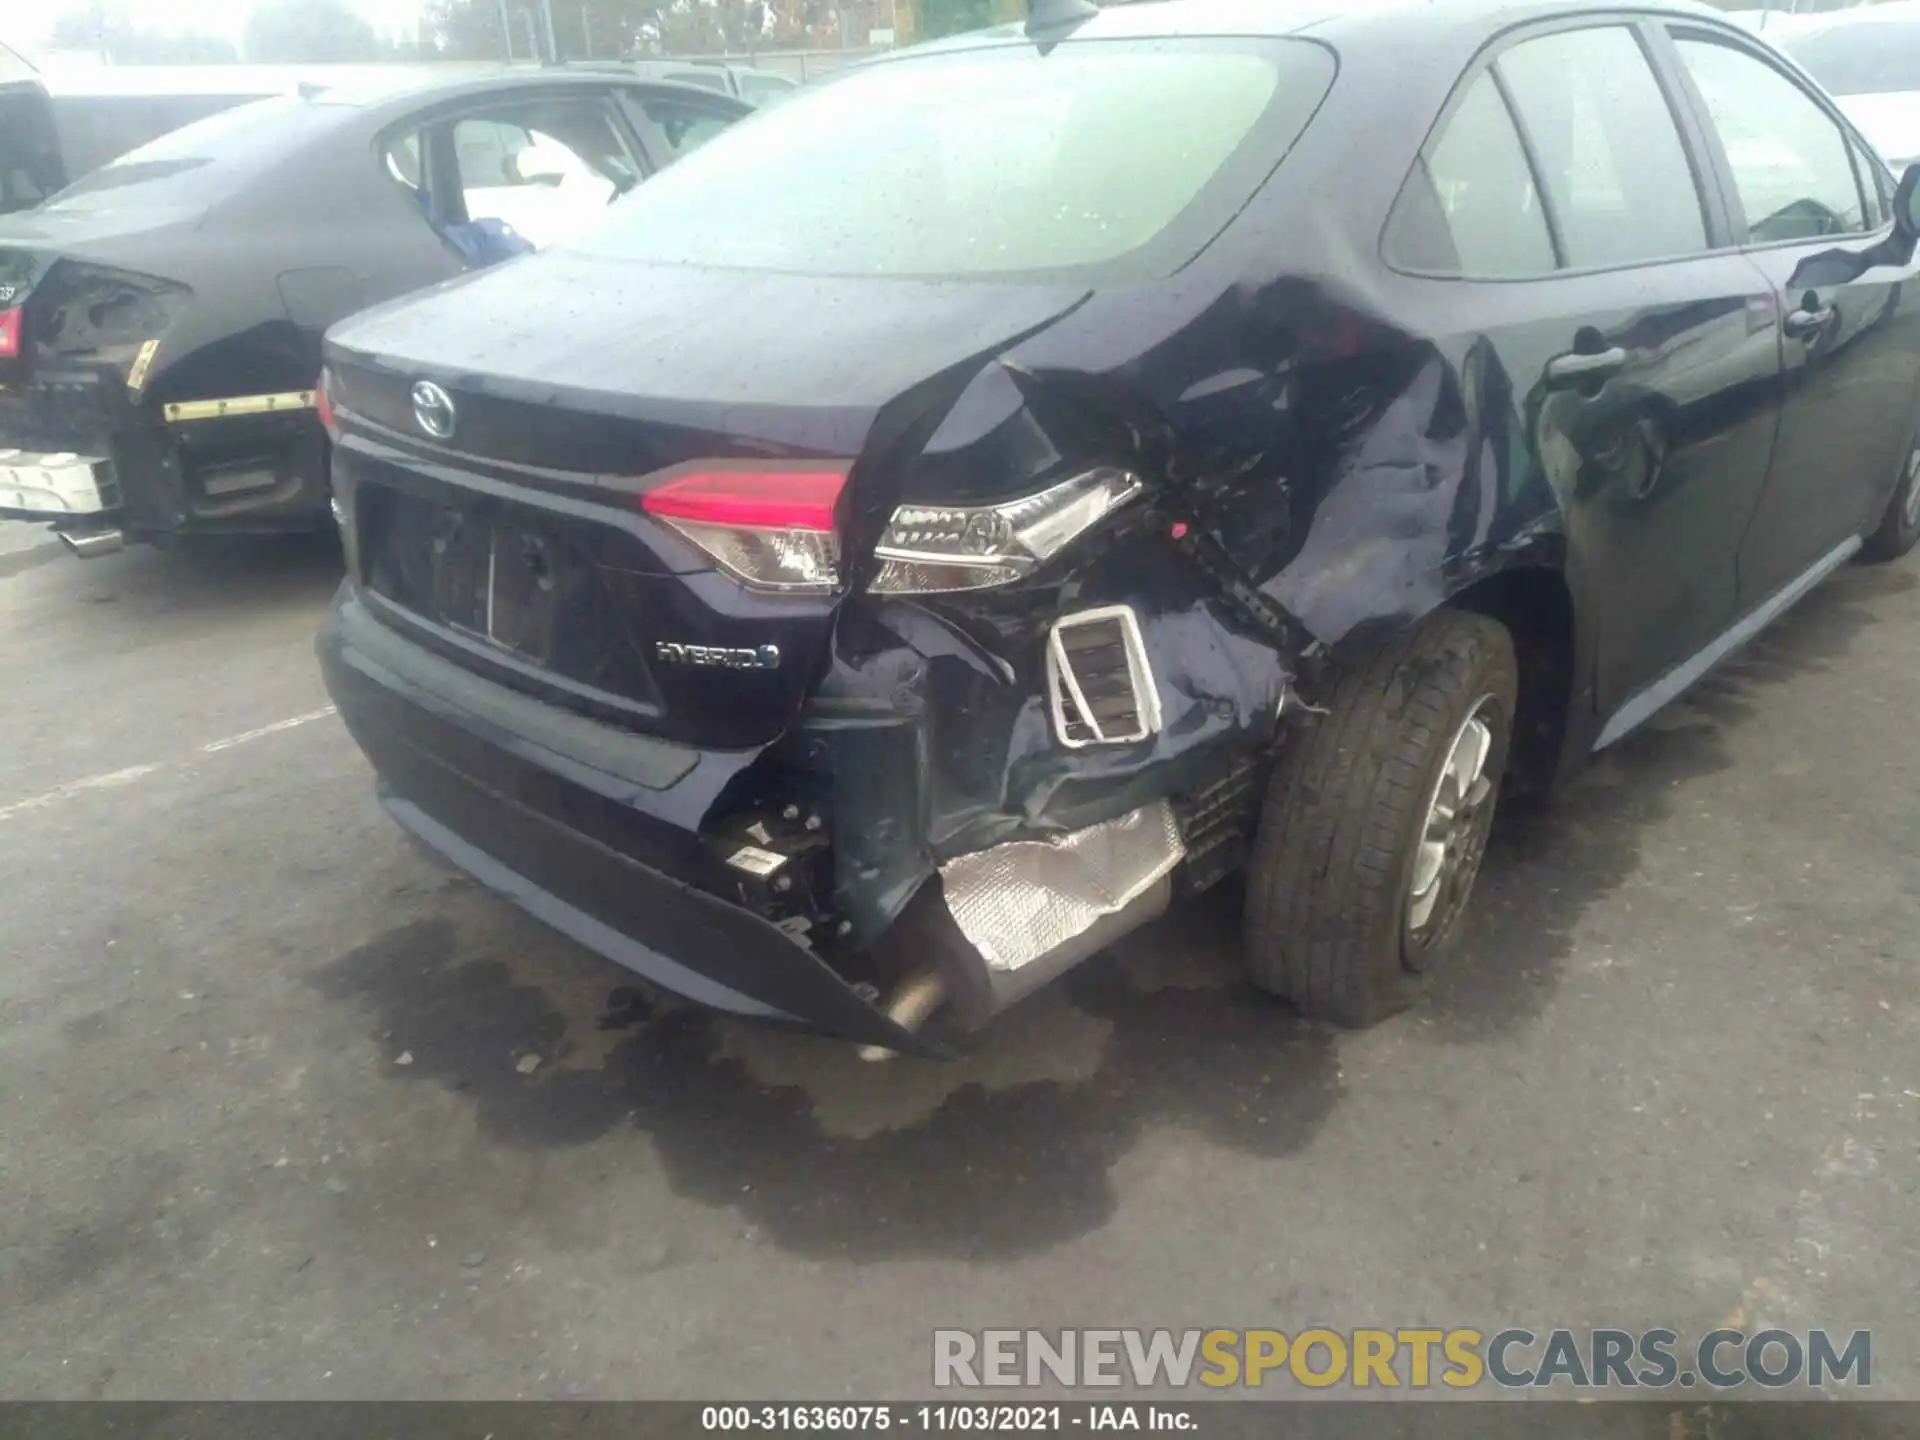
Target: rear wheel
{"points": [[1376, 819], [1899, 528]]}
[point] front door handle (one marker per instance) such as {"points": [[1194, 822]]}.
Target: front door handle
{"points": [[1574, 368], [1808, 321]]}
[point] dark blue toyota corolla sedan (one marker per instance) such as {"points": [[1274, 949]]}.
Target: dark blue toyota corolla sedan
{"points": [[946, 518]]}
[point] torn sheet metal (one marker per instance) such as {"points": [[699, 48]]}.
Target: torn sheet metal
{"points": [[1019, 901]]}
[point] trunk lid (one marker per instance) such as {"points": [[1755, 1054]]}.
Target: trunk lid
{"points": [[517, 543]]}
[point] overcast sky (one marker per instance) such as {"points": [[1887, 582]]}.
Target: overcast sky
{"points": [[209, 17]]}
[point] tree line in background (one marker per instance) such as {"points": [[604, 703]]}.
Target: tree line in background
{"points": [[320, 32]]}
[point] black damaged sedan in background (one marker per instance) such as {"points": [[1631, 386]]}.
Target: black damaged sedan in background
{"points": [[160, 318], [1032, 477]]}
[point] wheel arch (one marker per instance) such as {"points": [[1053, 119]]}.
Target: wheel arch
{"points": [[1536, 605]]}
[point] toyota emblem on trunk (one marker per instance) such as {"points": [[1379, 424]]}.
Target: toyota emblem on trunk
{"points": [[433, 410]]}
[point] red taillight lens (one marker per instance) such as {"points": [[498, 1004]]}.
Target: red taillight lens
{"points": [[761, 500], [770, 529], [323, 407], [10, 333]]}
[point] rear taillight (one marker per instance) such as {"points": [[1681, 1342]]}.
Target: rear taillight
{"points": [[770, 529], [323, 407], [931, 549], [10, 333]]}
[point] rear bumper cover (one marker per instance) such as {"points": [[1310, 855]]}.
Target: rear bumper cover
{"points": [[55, 486], [82, 454], [531, 813]]}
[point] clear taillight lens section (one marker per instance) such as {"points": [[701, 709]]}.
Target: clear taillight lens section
{"points": [[769, 529], [930, 549]]}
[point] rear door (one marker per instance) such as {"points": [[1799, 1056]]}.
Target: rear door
{"points": [[1806, 197], [1565, 194]]}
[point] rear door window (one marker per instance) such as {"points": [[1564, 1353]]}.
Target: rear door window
{"points": [[1790, 160], [1610, 155], [542, 171], [401, 158], [1470, 208], [685, 127]]}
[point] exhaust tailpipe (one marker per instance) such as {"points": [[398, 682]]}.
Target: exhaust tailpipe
{"points": [[91, 544], [917, 998]]}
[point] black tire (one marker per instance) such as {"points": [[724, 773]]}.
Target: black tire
{"points": [[1328, 887], [1899, 527]]}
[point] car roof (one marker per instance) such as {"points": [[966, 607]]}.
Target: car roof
{"points": [[359, 87], [1142, 19], [405, 91]]}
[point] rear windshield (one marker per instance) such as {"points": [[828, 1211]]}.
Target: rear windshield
{"points": [[1112, 156], [97, 128], [204, 162], [1860, 57]]}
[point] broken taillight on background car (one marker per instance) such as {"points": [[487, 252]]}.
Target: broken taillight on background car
{"points": [[323, 407]]}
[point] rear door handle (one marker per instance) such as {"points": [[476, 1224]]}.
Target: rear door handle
{"points": [[1805, 323], [1573, 368]]}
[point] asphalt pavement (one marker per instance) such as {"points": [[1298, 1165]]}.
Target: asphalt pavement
{"points": [[285, 1111]]}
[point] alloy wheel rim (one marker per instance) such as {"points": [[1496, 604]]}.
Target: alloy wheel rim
{"points": [[1910, 511], [1453, 833]]}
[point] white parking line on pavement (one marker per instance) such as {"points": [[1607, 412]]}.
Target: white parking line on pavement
{"points": [[216, 746], [115, 778], [77, 787]]}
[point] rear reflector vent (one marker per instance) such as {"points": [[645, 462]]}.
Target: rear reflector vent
{"points": [[1099, 680]]}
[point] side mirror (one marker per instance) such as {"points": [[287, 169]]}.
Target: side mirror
{"points": [[1906, 203]]}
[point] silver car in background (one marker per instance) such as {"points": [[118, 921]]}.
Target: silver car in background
{"points": [[1868, 59]]}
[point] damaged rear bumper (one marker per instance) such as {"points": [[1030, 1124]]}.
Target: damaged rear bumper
{"points": [[78, 453], [533, 814], [921, 837], [57, 485]]}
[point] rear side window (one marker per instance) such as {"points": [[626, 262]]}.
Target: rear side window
{"points": [[1470, 207], [547, 170], [1609, 152], [1789, 159], [685, 127], [1117, 156]]}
